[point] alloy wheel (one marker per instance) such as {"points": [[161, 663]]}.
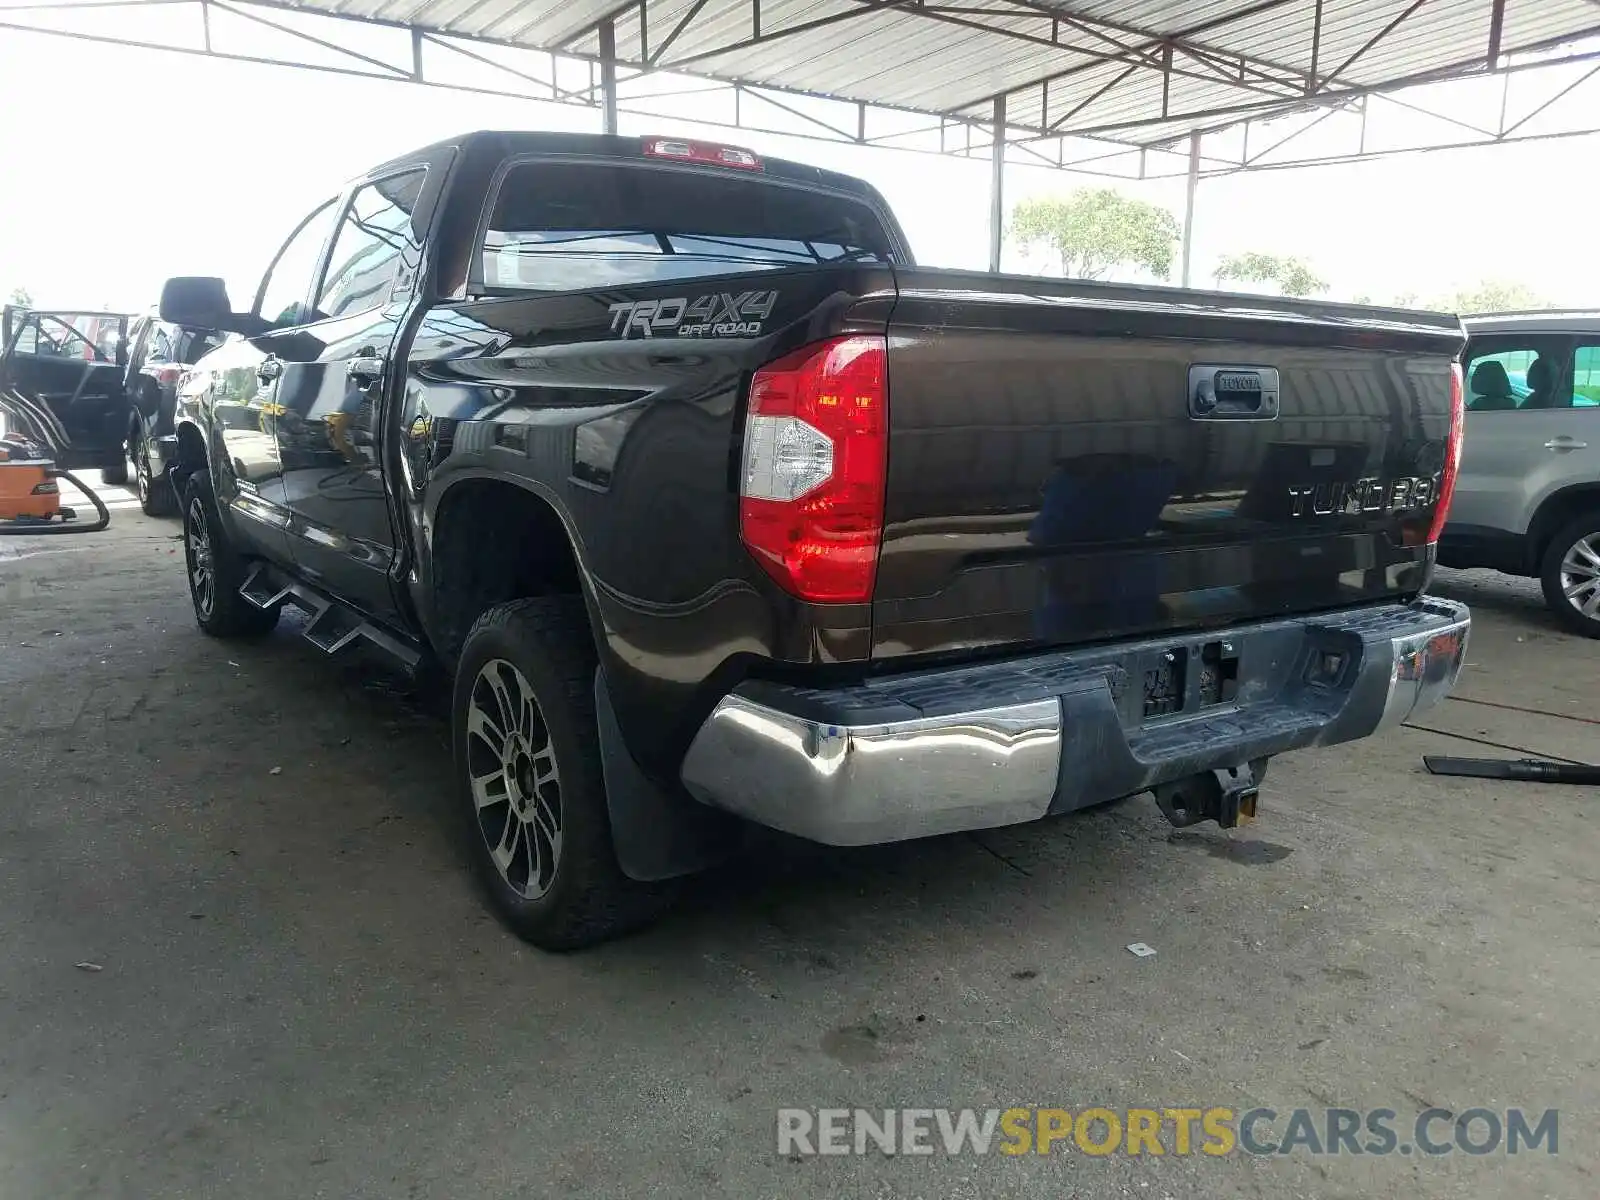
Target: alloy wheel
{"points": [[141, 473], [516, 786], [1580, 575], [197, 549]]}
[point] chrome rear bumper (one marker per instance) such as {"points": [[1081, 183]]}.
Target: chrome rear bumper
{"points": [[903, 757]]}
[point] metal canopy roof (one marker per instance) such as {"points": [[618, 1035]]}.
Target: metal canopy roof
{"points": [[1017, 80], [1137, 72]]}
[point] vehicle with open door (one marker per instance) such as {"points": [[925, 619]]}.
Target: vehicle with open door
{"points": [[64, 368], [159, 354]]}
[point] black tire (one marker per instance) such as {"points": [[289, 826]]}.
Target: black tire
{"points": [[1572, 547], [575, 895], [116, 474], [218, 608], [156, 497]]}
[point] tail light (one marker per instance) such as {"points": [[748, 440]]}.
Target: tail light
{"points": [[168, 375], [702, 152], [1452, 455], [815, 459]]}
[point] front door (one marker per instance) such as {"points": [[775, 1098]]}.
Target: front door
{"points": [[330, 399], [238, 385]]}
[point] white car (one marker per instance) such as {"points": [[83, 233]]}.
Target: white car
{"points": [[1527, 500]]}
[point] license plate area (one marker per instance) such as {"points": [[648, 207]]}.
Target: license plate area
{"points": [[1187, 679]]}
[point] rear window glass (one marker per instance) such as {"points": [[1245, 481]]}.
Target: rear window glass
{"points": [[569, 226]]}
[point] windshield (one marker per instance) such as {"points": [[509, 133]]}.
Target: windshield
{"points": [[563, 226]]}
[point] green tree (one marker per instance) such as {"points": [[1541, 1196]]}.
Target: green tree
{"points": [[1296, 278], [1293, 276], [1489, 295], [1095, 230], [1249, 267], [21, 297]]}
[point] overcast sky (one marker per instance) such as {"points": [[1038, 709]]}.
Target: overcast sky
{"points": [[156, 164]]}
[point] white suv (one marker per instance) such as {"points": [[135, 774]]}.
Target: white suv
{"points": [[1527, 500]]}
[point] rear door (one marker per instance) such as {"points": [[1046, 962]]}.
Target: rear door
{"points": [[1525, 438], [332, 386]]}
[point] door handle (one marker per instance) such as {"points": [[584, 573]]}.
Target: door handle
{"points": [[1565, 443], [269, 368], [365, 369]]}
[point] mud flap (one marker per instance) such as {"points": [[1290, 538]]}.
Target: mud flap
{"points": [[657, 835]]}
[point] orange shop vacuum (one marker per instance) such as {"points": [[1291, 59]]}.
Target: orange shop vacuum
{"points": [[30, 492]]}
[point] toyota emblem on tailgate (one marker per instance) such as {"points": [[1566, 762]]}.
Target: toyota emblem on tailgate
{"points": [[1233, 393]]}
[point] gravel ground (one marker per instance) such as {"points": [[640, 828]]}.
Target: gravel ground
{"points": [[296, 993]]}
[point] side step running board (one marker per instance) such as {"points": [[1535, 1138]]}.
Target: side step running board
{"points": [[333, 625]]}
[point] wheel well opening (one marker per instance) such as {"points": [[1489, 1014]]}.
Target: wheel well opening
{"points": [[191, 449], [1556, 512], [494, 542]]}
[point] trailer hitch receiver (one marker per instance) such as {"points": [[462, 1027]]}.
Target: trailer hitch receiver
{"points": [[1227, 795]]}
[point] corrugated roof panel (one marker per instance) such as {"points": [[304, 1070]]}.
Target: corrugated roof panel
{"points": [[937, 62], [437, 14], [1547, 21], [723, 23], [1427, 40], [1165, 17], [890, 58]]}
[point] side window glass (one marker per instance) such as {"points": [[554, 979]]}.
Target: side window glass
{"points": [[1586, 377], [370, 248], [282, 298], [160, 346], [570, 226], [1515, 375]]}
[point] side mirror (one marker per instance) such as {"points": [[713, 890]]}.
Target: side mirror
{"points": [[195, 300], [201, 302]]}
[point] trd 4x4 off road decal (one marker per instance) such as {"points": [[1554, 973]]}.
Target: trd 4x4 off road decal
{"points": [[718, 315]]}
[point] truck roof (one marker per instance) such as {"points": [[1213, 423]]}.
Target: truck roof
{"points": [[508, 143], [1551, 320]]}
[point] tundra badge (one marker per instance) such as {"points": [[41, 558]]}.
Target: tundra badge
{"points": [[1363, 496]]}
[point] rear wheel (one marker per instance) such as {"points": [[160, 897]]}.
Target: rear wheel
{"points": [[115, 473], [156, 496], [527, 751], [216, 572], [1571, 574]]}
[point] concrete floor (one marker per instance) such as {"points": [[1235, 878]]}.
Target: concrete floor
{"points": [[300, 994]]}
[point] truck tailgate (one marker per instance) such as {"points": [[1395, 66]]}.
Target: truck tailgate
{"points": [[1073, 462]]}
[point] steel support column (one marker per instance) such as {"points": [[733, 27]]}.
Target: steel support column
{"points": [[608, 74], [997, 188], [1188, 206], [997, 185]]}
